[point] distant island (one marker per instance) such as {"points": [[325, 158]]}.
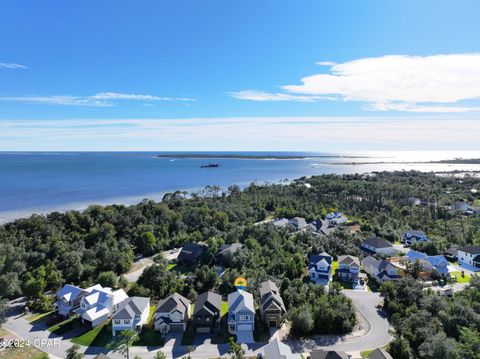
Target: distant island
{"points": [[248, 156]]}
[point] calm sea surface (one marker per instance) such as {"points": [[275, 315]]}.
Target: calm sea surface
{"points": [[43, 182]]}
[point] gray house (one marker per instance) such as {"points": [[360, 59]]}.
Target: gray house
{"points": [[172, 314], [241, 316], [272, 308], [191, 253], [132, 314], [207, 312], [227, 251]]}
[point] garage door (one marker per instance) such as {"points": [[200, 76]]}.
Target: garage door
{"points": [[203, 330], [176, 327]]}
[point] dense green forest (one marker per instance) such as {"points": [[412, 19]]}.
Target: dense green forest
{"points": [[43, 252]]}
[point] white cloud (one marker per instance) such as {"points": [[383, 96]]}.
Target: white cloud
{"points": [[6, 65], [271, 96], [102, 99], [329, 134], [401, 83], [326, 63]]}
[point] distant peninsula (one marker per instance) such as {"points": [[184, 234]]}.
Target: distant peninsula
{"points": [[248, 156]]}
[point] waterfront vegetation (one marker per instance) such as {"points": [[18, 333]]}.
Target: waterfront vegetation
{"points": [[41, 253]]}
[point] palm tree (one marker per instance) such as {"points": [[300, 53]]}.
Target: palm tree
{"points": [[123, 341]]}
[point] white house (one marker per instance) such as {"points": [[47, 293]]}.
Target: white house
{"points": [[132, 314], [469, 255], [376, 245], [69, 298], [298, 222], [348, 267], [411, 237], [99, 305], [280, 222], [320, 268], [335, 218], [172, 314], [241, 316]]}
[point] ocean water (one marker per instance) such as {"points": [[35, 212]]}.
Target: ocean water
{"points": [[41, 182]]}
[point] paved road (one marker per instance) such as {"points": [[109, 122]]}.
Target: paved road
{"points": [[139, 266], [377, 335]]}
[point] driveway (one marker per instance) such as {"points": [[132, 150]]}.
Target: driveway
{"points": [[56, 346], [375, 335], [138, 268]]}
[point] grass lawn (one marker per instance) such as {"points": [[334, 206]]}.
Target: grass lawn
{"points": [[459, 277], [148, 336], [334, 267], [63, 327], [366, 353], [170, 266], [38, 316], [96, 337], [224, 308], [23, 353]]}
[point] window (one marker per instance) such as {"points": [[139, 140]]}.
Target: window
{"points": [[126, 321], [137, 316], [244, 317], [116, 321]]}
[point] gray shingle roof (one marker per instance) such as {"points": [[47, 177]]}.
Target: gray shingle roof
{"points": [[470, 249], [377, 242], [210, 300], [269, 293], [173, 302], [132, 306], [379, 354], [349, 260]]}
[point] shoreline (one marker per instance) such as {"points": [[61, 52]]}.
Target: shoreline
{"points": [[9, 216]]}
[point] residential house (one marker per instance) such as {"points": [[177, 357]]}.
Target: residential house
{"points": [[272, 308], [411, 237], [100, 304], [172, 314], [133, 314], [278, 350], [227, 251], [349, 271], [335, 218], [280, 222], [430, 263], [469, 255], [459, 206], [241, 316], [376, 245], [298, 223], [315, 227], [379, 354], [207, 312], [68, 299], [191, 253], [380, 269], [328, 354], [451, 254], [320, 268]]}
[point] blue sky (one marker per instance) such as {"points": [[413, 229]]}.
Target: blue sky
{"points": [[116, 65]]}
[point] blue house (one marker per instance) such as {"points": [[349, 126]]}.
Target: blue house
{"points": [[410, 237], [429, 263], [241, 316], [320, 268]]}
